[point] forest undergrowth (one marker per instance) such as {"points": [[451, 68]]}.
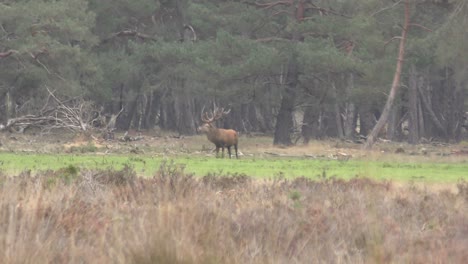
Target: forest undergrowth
{"points": [[108, 216]]}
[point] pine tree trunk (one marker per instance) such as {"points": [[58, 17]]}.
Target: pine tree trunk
{"points": [[336, 109], [151, 118], [266, 117], [395, 85], [432, 114], [126, 120], [251, 117], [350, 109], [168, 117], [7, 107], [413, 137], [148, 107], [185, 115], [284, 121], [310, 128], [421, 122], [366, 120], [393, 125]]}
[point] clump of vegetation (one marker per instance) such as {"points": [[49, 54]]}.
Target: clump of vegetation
{"points": [[90, 147], [113, 216], [226, 181]]}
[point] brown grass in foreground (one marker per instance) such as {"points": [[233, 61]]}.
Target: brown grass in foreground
{"points": [[71, 216]]}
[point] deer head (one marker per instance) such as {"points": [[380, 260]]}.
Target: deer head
{"points": [[209, 118]]}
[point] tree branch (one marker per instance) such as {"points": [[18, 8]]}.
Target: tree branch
{"points": [[326, 11], [7, 53], [271, 39], [386, 8], [273, 4], [392, 39], [420, 26], [129, 33]]}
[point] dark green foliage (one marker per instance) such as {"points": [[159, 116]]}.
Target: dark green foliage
{"points": [[162, 60]]}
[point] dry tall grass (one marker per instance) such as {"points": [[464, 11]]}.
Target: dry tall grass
{"points": [[114, 217]]}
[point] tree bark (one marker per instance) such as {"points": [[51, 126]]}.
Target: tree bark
{"points": [[284, 121], [185, 115], [395, 85], [168, 117], [151, 117], [350, 109], [131, 113], [336, 109], [413, 137], [431, 112]]}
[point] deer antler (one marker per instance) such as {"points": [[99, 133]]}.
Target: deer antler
{"points": [[219, 113], [205, 118], [216, 114]]}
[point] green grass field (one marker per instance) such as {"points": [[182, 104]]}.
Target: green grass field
{"points": [[146, 165]]}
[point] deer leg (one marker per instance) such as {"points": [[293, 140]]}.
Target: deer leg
{"points": [[235, 148], [222, 155], [229, 151], [217, 151]]}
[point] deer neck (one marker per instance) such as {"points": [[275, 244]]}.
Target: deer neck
{"points": [[212, 133]]}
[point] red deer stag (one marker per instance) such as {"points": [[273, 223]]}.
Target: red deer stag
{"points": [[220, 137]]}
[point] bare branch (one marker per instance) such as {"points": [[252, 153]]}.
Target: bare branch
{"points": [[392, 39], [189, 27], [420, 26], [7, 53], [326, 11], [271, 39], [273, 4], [130, 33], [72, 114], [281, 12], [386, 8]]}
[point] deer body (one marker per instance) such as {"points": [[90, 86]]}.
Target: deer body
{"points": [[222, 138]]}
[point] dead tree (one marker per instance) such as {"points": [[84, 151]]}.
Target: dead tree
{"points": [[75, 114]]}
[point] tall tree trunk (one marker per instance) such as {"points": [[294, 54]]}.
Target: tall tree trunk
{"points": [[7, 107], [350, 109], [421, 122], [266, 116], [430, 111], [148, 107], [126, 120], [168, 117], [396, 82], [394, 125], [366, 120], [413, 137], [337, 112], [151, 117], [185, 115], [284, 121], [252, 117]]}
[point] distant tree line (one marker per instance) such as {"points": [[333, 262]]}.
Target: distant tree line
{"points": [[296, 69]]}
